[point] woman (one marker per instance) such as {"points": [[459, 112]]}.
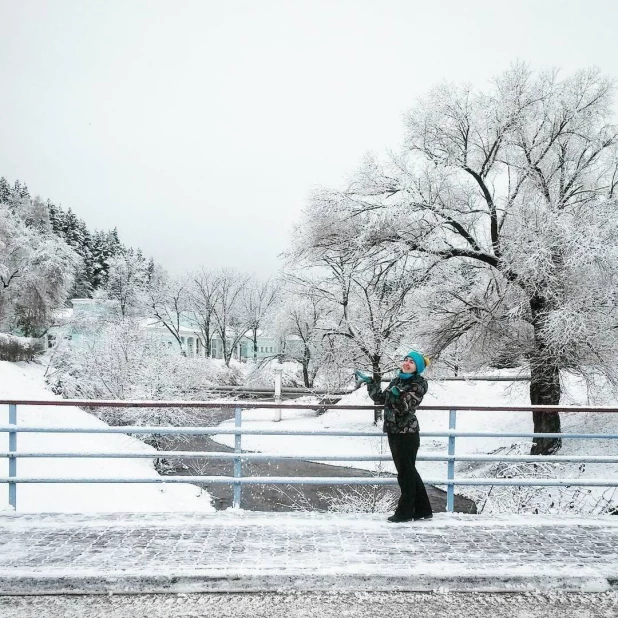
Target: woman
{"points": [[400, 399]]}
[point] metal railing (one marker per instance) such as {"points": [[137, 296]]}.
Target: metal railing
{"points": [[13, 429]]}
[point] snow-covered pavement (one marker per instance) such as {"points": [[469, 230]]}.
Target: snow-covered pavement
{"points": [[238, 551]]}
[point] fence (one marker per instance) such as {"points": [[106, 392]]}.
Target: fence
{"points": [[13, 429]]}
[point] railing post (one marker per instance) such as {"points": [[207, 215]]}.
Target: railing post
{"points": [[450, 488], [278, 370], [12, 458], [237, 460]]}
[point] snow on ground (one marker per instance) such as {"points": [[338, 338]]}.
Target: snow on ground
{"points": [[25, 380], [456, 393]]}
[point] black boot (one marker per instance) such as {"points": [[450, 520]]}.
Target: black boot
{"points": [[397, 518]]}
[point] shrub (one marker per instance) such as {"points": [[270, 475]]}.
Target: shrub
{"points": [[15, 349]]}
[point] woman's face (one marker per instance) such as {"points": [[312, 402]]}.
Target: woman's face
{"points": [[408, 365]]}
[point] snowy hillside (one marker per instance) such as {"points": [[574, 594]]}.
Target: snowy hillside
{"points": [[25, 380]]}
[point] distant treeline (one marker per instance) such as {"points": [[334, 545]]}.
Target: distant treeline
{"points": [[95, 248]]}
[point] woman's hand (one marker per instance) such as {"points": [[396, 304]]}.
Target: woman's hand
{"points": [[394, 391], [362, 378]]}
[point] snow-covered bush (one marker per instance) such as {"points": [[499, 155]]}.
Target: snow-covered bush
{"points": [[121, 360], [345, 499], [262, 374], [15, 349], [362, 499], [498, 499]]}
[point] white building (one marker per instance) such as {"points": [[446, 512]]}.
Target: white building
{"points": [[85, 308]]}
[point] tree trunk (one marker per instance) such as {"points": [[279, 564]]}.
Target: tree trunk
{"points": [[227, 353], [305, 363], [544, 384], [207, 340], [545, 390], [377, 378]]}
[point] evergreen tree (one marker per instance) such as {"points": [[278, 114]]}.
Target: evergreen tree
{"points": [[150, 270], [75, 233], [105, 246], [5, 191], [22, 191]]}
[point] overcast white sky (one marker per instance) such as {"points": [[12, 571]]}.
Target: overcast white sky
{"points": [[199, 127]]}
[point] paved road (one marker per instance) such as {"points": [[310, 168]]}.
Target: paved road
{"points": [[313, 605]]}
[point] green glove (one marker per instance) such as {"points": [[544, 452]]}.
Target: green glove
{"points": [[395, 392], [362, 378]]}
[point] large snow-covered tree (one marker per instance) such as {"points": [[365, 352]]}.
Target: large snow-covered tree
{"points": [[510, 195], [36, 273]]}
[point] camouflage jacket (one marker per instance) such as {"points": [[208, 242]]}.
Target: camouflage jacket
{"points": [[400, 412]]}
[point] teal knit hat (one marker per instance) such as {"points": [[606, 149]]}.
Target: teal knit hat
{"points": [[420, 361]]}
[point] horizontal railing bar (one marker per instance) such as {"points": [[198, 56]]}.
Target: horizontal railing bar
{"points": [[314, 457], [527, 458], [184, 430], [485, 434], [197, 455], [385, 379], [300, 480], [478, 379], [123, 403], [262, 390], [164, 430], [528, 482]]}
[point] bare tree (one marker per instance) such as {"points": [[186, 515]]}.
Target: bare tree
{"points": [[300, 323], [257, 301], [203, 294], [167, 299], [371, 315], [229, 320]]}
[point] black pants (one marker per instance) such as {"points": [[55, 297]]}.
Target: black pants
{"points": [[414, 501]]}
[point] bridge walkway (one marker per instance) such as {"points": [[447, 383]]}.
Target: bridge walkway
{"points": [[242, 551]]}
